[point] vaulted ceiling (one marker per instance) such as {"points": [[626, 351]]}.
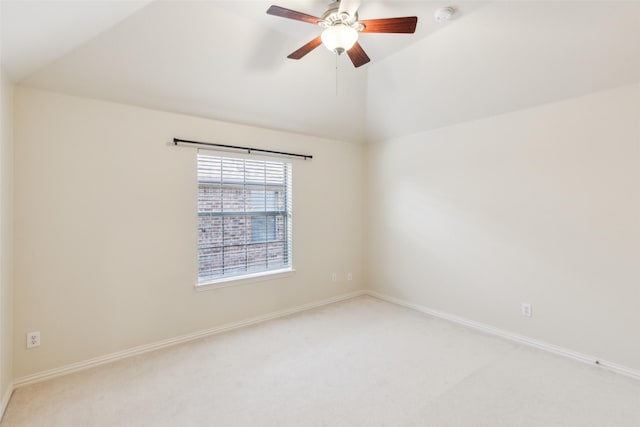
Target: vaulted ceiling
{"points": [[227, 60]]}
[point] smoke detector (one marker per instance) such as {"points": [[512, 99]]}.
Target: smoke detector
{"points": [[444, 14]]}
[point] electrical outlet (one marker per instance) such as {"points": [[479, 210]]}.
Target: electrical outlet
{"points": [[33, 339], [334, 277], [526, 309], [349, 277]]}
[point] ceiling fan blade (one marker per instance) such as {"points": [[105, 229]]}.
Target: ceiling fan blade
{"points": [[349, 6], [292, 14], [306, 48], [358, 55], [390, 25]]}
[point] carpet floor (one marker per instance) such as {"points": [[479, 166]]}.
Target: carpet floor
{"points": [[360, 362]]}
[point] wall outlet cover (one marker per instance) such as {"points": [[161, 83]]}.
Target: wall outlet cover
{"points": [[33, 339]]}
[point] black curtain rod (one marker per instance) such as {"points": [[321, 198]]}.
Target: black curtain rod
{"points": [[236, 147]]}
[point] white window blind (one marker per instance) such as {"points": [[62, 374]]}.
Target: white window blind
{"points": [[244, 216]]}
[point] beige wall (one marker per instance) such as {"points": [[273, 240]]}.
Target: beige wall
{"points": [[105, 227], [536, 206], [6, 231], [539, 206]]}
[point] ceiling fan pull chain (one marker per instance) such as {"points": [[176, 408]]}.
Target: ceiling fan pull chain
{"points": [[336, 76]]}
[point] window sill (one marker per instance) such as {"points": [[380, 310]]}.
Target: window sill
{"points": [[244, 280]]}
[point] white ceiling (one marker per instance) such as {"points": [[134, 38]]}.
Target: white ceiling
{"points": [[35, 33], [227, 60], [507, 56]]}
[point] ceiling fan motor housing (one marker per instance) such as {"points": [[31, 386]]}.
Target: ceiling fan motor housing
{"points": [[332, 16]]}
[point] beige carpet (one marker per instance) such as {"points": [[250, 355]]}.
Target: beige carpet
{"points": [[362, 362]]}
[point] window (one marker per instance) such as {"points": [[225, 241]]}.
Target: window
{"points": [[244, 217]]}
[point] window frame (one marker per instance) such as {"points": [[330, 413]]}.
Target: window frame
{"points": [[206, 282]]}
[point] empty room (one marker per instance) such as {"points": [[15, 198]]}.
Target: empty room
{"points": [[319, 213]]}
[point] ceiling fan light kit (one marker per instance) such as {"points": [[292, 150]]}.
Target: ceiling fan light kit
{"points": [[339, 38], [342, 27]]}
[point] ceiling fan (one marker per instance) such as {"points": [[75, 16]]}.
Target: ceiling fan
{"points": [[341, 28]]}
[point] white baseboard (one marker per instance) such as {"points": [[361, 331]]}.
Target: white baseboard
{"points": [[629, 372], [101, 360], [5, 400]]}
